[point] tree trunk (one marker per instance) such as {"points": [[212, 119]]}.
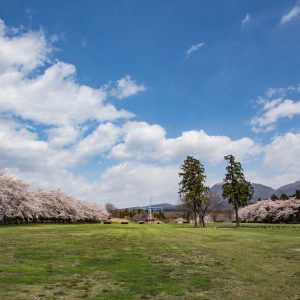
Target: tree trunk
{"points": [[237, 220], [202, 220], [195, 217]]}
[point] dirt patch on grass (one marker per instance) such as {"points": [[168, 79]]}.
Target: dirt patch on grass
{"points": [[77, 287], [119, 220]]}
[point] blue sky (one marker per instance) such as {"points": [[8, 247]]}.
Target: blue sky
{"points": [[183, 77]]}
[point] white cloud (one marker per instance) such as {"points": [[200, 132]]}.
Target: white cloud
{"points": [[126, 87], [51, 95], [141, 141], [62, 136], [276, 104], [282, 154], [22, 51], [133, 183], [20, 147], [194, 48], [293, 13], [281, 92], [246, 19], [99, 141], [149, 142], [273, 111], [54, 98], [280, 164], [59, 178], [68, 121], [209, 148]]}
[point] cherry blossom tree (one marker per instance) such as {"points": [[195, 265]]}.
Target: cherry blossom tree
{"points": [[19, 205], [272, 211]]}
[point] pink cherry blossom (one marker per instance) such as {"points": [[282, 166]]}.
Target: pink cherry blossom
{"points": [[19, 205]]}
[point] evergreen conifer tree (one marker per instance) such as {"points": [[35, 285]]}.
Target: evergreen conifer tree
{"points": [[192, 188], [236, 189]]}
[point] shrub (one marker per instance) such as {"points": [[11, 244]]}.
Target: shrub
{"points": [[284, 197]]}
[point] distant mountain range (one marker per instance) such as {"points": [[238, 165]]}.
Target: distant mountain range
{"points": [[260, 192], [288, 189], [264, 192]]}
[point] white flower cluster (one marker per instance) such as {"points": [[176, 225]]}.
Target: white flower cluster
{"points": [[268, 211], [19, 205]]}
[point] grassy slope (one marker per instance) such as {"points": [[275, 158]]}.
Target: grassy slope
{"points": [[148, 262]]}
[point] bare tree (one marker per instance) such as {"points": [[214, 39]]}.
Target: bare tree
{"points": [[214, 215], [212, 202], [141, 216], [110, 207], [186, 208], [229, 214]]}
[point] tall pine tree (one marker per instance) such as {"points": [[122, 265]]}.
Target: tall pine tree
{"points": [[236, 189], [192, 189]]}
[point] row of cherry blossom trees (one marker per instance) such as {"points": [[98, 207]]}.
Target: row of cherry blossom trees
{"points": [[269, 211], [19, 205]]}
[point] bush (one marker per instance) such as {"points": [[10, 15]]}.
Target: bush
{"points": [[284, 197]]}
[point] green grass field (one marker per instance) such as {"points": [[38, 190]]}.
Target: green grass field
{"points": [[97, 261]]}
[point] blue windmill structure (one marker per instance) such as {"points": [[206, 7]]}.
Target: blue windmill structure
{"points": [[150, 211]]}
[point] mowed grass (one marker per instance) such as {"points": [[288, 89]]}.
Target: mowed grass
{"points": [[95, 261]]}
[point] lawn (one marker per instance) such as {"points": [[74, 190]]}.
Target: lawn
{"points": [[132, 261]]}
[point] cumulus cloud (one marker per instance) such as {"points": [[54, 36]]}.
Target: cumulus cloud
{"points": [[133, 183], [62, 136], [280, 164], [282, 154], [293, 13], [59, 178], [99, 141], [20, 147], [141, 141], [149, 142], [194, 48], [54, 97], [126, 87], [246, 19], [24, 51], [50, 122]]}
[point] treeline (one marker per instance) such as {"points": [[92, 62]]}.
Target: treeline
{"points": [[285, 196], [19, 205]]}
